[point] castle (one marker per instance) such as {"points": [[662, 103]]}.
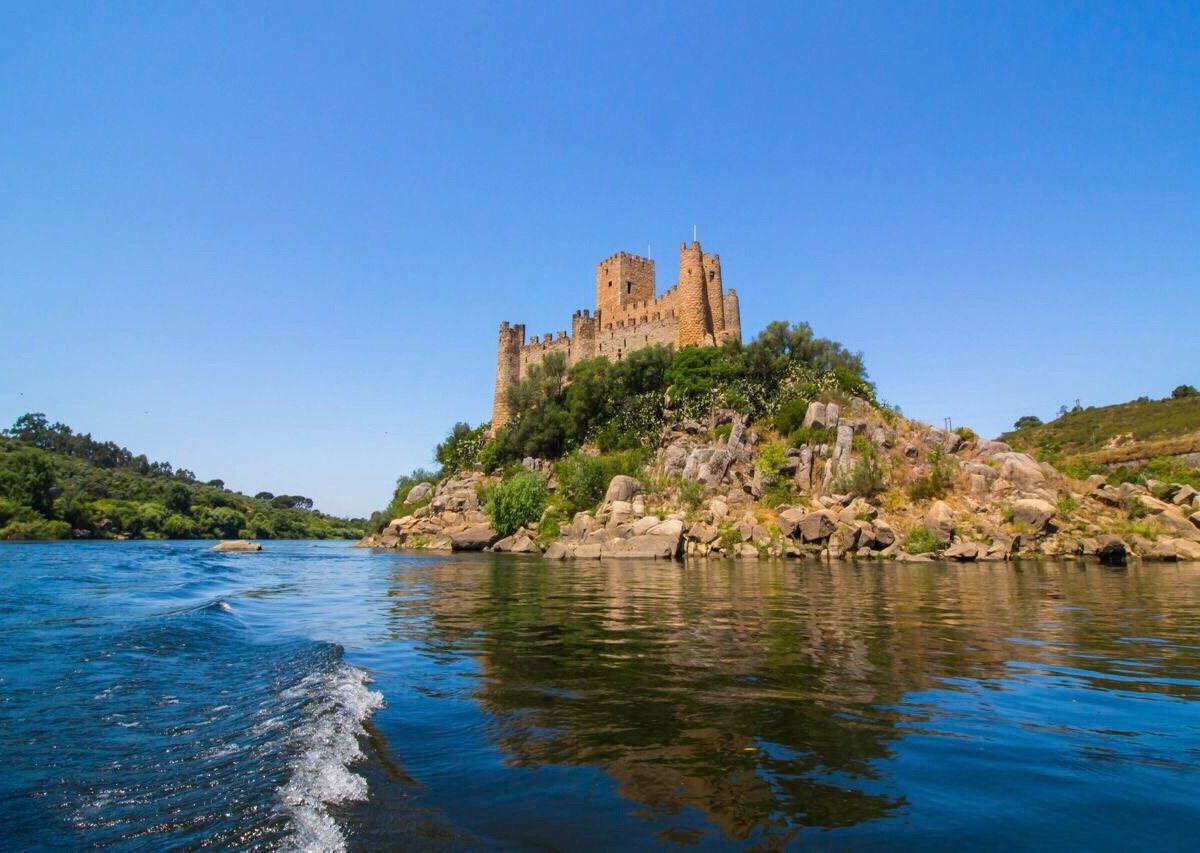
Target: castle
{"points": [[696, 311]]}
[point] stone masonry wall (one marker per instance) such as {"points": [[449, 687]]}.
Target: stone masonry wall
{"points": [[629, 316]]}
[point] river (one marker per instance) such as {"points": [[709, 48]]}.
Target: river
{"points": [[315, 696]]}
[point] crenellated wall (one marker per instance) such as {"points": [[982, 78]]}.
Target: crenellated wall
{"points": [[696, 311]]}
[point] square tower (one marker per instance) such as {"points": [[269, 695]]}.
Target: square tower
{"points": [[620, 280]]}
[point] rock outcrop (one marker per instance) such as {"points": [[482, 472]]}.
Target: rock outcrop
{"points": [[711, 496]]}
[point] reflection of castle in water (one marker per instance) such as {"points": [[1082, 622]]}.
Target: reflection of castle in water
{"points": [[764, 698]]}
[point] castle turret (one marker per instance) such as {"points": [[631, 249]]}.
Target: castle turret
{"points": [[733, 317], [695, 315], [508, 370], [716, 295], [583, 336], [621, 281]]}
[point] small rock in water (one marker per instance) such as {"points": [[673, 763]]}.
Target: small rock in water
{"points": [[237, 546]]}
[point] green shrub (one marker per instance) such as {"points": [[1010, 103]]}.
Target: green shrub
{"points": [[770, 459], [516, 502], [813, 436], [583, 479], [36, 529], [938, 482], [782, 491], [865, 478], [920, 541], [550, 526], [1135, 509], [691, 493], [790, 416]]}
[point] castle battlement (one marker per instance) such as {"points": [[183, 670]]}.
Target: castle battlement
{"points": [[629, 315]]}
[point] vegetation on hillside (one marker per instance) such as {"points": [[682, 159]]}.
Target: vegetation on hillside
{"points": [[1096, 438], [56, 483], [623, 405]]}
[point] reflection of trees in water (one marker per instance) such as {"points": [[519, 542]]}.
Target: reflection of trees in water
{"points": [[764, 696]]}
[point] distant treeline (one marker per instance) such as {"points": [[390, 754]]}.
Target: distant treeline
{"points": [[56, 483]]}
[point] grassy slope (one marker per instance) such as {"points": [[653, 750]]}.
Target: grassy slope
{"points": [[1158, 427]]}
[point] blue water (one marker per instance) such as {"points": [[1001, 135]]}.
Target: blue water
{"points": [[316, 696]]}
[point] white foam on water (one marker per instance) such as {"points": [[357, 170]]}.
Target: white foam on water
{"points": [[329, 737]]}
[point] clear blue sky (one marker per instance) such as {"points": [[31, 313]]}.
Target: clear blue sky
{"points": [[272, 242]]}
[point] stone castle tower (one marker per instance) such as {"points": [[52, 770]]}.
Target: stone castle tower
{"points": [[629, 316]]}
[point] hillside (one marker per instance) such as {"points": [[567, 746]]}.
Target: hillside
{"points": [[1092, 439], [57, 484]]}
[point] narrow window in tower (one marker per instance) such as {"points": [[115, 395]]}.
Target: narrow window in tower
{"points": [[610, 284], [629, 287], [711, 274]]}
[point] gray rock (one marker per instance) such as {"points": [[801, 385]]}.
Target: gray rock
{"points": [[473, 538], [236, 546], [962, 551], [815, 416], [816, 526], [1184, 496], [939, 521], [589, 551], [735, 435], [1034, 512], [1111, 551], [1022, 470], [804, 470], [1178, 525], [418, 493], [672, 527], [885, 536], [556, 551], [581, 525], [642, 547], [622, 488], [705, 534], [518, 543], [831, 415]]}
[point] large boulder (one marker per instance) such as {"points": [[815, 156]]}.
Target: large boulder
{"points": [[1021, 470], [1111, 551], [236, 546], [622, 488], [789, 519], [419, 492], [964, 552], [815, 416], [648, 546], [1179, 525], [1034, 512], [939, 521], [473, 538], [518, 543], [816, 526]]}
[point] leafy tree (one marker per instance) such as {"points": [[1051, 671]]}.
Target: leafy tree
{"points": [[460, 450], [1027, 422], [1182, 391], [27, 477], [178, 498]]}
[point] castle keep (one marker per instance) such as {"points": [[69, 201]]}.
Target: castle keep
{"points": [[696, 311]]}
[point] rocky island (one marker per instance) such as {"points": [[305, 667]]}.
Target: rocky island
{"points": [[653, 432]]}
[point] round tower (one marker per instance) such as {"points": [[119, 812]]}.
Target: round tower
{"points": [[695, 316]]}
